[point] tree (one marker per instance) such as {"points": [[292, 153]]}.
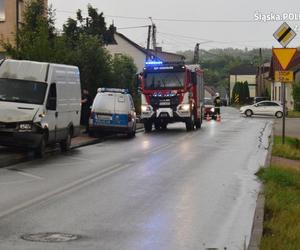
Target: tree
{"points": [[296, 96]]}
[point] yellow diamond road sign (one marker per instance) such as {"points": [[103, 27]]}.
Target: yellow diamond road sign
{"points": [[284, 56], [284, 34], [284, 76]]}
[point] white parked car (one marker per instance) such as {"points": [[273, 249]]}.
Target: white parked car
{"points": [[263, 108], [113, 110]]}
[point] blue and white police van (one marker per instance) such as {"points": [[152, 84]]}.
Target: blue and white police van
{"points": [[113, 111]]}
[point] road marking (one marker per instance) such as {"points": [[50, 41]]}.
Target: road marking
{"points": [[30, 175], [84, 181], [21, 172]]}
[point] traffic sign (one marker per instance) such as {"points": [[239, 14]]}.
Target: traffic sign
{"points": [[284, 76], [284, 34], [284, 56]]}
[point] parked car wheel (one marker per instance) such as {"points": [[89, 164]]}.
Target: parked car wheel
{"points": [[248, 112], [279, 114]]}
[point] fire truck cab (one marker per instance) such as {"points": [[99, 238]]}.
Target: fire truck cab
{"points": [[172, 92]]}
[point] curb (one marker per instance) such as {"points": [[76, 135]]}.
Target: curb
{"points": [[19, 158], [258, 220]]}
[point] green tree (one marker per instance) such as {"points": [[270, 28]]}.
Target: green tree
{"points": [[296, 96]]}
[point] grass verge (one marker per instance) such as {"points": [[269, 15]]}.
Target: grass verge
{"points": [[294, 114], [290, 150], [282, 208]]}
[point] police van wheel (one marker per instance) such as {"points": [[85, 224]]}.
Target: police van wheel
{"points": [[65, 145]]}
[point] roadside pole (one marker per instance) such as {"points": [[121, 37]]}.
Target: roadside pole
{"points": [[284, 114], [284, 35]]}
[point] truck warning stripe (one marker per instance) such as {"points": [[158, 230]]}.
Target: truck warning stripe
{"points": [[284, 34]]}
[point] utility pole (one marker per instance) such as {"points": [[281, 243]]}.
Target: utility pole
{"points": [[148, 42], [196, 53], [17, 22], [154, 43], [259, 92]]}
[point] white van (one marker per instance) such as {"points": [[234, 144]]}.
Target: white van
{"points": [[113, 110], [40, 104]]}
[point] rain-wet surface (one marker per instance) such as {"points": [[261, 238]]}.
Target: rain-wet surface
{"points": [[164, 190]]}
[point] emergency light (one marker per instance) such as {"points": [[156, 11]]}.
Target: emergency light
{"points": [[113, 90]]}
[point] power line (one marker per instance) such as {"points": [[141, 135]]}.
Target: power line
{"points": [[174, 19], [133, 27]]}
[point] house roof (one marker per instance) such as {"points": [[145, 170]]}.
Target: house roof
{"points": [[245, 69], [211, 90], [162, 55]]}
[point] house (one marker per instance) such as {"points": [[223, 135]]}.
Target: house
{"points": [[243, 73], [276, 87], [123, 45], [263, 82], [10, 18]]}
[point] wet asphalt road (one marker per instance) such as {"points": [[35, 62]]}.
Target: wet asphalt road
{"points": [[165, 190]]}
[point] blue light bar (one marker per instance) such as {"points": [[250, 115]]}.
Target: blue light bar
{"points": [[113, 90], [153, 63]]}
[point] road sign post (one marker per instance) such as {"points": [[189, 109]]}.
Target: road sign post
{"points": [[284, 35]]}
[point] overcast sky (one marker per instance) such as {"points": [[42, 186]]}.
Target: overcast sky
{"points": [[218, 23]]}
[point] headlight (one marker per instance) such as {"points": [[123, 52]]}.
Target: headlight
{"points": [[184, 107], [145, 108], [212, 109], [25, 126]]}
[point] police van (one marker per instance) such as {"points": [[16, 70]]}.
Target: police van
{"points": [[113, 111], [40, 104]]}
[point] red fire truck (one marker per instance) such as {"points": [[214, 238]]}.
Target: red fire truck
{"points": [[171, 92]]}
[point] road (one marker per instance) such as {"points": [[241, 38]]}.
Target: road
{"points": [[164, 190]]}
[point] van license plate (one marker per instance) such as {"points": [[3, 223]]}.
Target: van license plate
{"points": [[104, 117]]}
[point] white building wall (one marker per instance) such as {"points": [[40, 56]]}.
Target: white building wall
{"points": [[277, 94], [125, 48]]}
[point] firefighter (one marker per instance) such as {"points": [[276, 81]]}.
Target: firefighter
{"points": [[217, 103]]}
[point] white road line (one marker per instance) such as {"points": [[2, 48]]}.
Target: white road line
{"points": [[30, 175]]}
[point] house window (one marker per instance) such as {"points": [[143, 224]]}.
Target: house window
{"points": [[279, 94], [2, 10]]}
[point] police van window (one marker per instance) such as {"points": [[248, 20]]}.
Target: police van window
{"points": [[2, 10]]}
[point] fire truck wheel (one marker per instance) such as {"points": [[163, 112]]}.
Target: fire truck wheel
{"points": [[148, 126], [189, 124], [157, 125], [164, 126], [198, 123]]}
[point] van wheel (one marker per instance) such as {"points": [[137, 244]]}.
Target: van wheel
{"points": [[65, 145], [40, 151]]}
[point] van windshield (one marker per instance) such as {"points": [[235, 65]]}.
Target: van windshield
{"points": [[22, 91]]}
